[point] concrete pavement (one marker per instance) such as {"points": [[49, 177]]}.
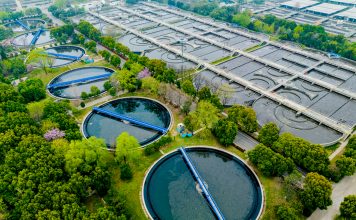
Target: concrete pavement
{"points": [[345, 187]]}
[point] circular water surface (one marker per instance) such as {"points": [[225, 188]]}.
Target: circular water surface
{"points": [[65, 50], [24, 40], [31, 23], [171, 192], [75, 90], [143, 109]]}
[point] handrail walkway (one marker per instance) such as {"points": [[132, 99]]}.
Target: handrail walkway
{"points": [[22, 25], [37, 35], [197, 177], [131, 120], [78, 81], [63, 56]]}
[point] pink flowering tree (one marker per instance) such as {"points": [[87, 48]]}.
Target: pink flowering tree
{"points": [[54, 134], [144, 73]]}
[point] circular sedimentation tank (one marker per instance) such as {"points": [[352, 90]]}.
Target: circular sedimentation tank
{"points": [[24, 40], [30, 23], [74, 90], [142, 109], [65, 50], [170, 190]]}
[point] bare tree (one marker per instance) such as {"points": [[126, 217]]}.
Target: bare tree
{"points": [[225, 93]]}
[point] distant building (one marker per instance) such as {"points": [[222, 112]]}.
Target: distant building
{"points": [[344, 2], [299, 4], [348, 15], [325, 9]]}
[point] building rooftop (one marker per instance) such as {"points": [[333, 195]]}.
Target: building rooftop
{"points": [[346, 2], [299, 4], [326, 8], [350, 13]]}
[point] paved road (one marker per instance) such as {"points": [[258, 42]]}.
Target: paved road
{"points": [[345, 187], [244, 141]]}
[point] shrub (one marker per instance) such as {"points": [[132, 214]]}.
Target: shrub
{"points": [[125, 172], [84, 95], [348, 207], [107, 85], [269, 162], [154, 147]]}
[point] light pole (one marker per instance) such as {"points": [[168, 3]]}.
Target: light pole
{"points": [[182, 41]]}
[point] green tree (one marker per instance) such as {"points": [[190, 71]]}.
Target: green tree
{"points": [[243, 19], [8, 93], [269, 162], [85, 155], [127, 148], [188, 87], [311, 157], [32, 90], [150, 84], [268, 134], [90, 45], [346, 165], [94, 91], [348, 207], [245, 117], [317, 192], [105, 54], [226, 131], [115, 60], [207, 114], [15, 67], [126, 79], [286, 213]]}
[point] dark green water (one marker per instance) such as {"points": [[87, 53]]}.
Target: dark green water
{"points": [[146, 110], [170, 190]]}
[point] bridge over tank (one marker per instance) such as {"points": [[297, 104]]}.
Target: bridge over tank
{"points": [[201, 183], [131, 120], [22, 25], [63, 56], [78, 81], [37, 35]]}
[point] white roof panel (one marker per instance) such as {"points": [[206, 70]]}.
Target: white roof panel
{"points": [[298, 4], [351, 2], [351, 13], [327, 8]]}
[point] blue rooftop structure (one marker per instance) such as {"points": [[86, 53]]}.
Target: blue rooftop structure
{"points": [[214, 207], [131, 120]]}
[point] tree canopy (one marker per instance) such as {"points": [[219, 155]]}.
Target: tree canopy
{"points": [[348, 207], [317, 192]]}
